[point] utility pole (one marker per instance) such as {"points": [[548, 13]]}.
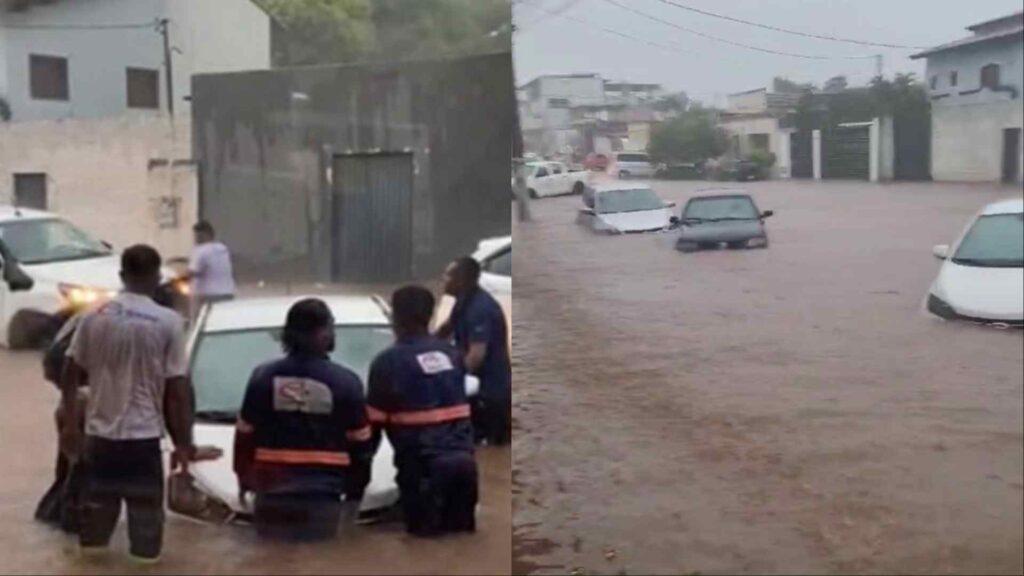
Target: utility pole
{"points": [[162, 27]]}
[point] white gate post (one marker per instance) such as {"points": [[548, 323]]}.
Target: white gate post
{"points": [[874, 150], [816, 153]]}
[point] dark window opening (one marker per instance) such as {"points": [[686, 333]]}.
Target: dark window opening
{"points": [[48, 77], [30, 191], [934, 82], [953, 78], [143, 87], [990, 75]]}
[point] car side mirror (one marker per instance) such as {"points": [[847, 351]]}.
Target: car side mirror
{"points": [[674, 220], [670, 204], [107, 244], [941, 251], [16, 278], [768, 214]]}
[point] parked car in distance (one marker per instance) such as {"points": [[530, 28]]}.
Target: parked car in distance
{"points": [[982, 274], [742, 171], [632, 165], [624, 207], [596, 162], [553, 179], [50, 269], [681, 171], [732, 219], [232, 338]]}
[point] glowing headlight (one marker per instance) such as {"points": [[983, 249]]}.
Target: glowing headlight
{"points": [[182, 287], [78, 296]]}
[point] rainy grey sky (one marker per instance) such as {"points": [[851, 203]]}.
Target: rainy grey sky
{"points": [[565, 36]]}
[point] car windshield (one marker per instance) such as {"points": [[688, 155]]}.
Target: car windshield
{"points": [[637, 200], [995, 241], [712, 209], [51, 240], [223, 361]]}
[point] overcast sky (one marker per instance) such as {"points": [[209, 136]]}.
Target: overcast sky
{"points": [[707, 69]]}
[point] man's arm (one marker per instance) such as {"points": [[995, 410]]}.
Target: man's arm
{"points": [[245, 437], [73, 377], [178, 414], [360, 440], [480, 334]]}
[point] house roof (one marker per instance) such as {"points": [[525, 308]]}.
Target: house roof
{"points": [[543, 76], [980, 36]]}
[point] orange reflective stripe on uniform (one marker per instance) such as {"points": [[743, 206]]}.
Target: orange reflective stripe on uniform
{"points": [[433, 416], [360, 435], [278, 456], [376, 416]]}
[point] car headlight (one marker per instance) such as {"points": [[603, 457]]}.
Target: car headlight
{"points": [[79, 296], [182, 287], [940, 308]]}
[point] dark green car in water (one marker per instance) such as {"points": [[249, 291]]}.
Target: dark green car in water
{"points": [[731, 219]]}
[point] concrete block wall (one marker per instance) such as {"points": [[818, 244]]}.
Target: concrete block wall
{"points": [[110, 177], [967, 140]]}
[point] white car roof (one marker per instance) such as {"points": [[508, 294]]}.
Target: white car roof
{"points": [[613, 185], [10, 213], [270, 312], [1009, 206], [489, 246]]}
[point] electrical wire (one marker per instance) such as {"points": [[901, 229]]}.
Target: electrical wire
{"points": [[79, 26], [731, 42], [787, 30]]}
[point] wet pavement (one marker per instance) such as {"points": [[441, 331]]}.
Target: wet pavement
{"points": [[784, 410], [26, 429]]}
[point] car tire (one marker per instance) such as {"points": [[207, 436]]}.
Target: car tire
{"points": [[533, 193], [577, 188]]}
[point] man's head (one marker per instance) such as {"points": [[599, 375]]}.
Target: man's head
{"points": [[461, 276], [309, 328], [140, 269], [203, 232], [412, 307]]}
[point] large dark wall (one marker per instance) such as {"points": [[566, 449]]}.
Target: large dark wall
{"points": [[266, 141]]}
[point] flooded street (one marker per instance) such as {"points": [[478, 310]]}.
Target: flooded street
{"points": [[26, 546], [782, 410]]}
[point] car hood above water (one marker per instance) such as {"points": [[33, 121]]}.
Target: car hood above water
{"points": [[101, 272], [727, 231], [637, 221], [989, 293]]}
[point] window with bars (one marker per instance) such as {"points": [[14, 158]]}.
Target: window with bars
{"points": [[48, 77], [143, 88]]}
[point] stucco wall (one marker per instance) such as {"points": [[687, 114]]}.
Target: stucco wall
{"points": [[967, 140], [744, 127], [100, 175]]}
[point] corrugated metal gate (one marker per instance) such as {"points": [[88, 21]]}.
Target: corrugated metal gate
{"points": [[801, 155], [372, 217], [912, 143], [845, 153]]}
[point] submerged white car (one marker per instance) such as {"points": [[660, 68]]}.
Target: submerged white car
{"points": [[622, 207], [232, 338], [982, 275]]}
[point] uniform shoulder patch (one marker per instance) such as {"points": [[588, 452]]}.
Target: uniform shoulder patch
{"points": [[434, 362]]}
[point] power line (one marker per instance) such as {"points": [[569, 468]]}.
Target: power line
{"points": [[731, 42], [787, 30], [78, 26]]}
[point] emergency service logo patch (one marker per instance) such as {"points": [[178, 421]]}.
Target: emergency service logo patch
{"points": [[434, 362], [302, 395]]}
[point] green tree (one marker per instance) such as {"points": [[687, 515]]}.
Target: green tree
{"points": [[786, 86], [319, 31], [691, 137]]}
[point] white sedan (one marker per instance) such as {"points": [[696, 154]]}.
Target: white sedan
{"points": [[982, 274], [621, 207], [231, 339]]}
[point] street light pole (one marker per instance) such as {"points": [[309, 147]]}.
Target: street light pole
{"points": [[162, 27]]}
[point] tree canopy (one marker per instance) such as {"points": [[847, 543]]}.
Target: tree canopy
{"points": [[691, 137], [327, 31]]}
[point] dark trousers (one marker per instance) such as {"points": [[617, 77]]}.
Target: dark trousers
{"points": [[129, 471], [438, 494], [492, 419], [298, 517]]}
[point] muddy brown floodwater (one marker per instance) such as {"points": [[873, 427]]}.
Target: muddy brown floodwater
{"points": [[781, 410], [28, 441]]}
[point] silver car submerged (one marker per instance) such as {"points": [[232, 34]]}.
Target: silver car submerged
{"points": [[731, 219]]}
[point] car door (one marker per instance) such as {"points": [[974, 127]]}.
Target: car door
{"points": [[560, 175]]}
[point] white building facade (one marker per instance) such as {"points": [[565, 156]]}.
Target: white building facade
{"points": [[90, 134], [755, 120], [975, 86]]}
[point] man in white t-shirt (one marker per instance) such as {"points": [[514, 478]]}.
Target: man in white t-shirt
{"points": [[209, 269], [131, 353]]}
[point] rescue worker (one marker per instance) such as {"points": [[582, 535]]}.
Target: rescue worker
{"points": [[477, 325], [302, 441], [417, 395], [131, 353]]}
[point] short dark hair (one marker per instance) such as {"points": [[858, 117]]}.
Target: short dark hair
{"points": [[140, 260], [469, 269], [305, 317], [412, 307], [204, 227]]}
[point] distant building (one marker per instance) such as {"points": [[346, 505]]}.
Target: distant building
{"points": [[976, 91], [89, 128], [759, 120]]}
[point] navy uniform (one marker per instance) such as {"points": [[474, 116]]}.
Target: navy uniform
{"points": [[308, 443], [478, 318], [417, 394]]}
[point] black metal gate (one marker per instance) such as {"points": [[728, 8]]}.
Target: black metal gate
{"points": [[372, 220], [801, 155], [912, 147], [846, 152]]}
